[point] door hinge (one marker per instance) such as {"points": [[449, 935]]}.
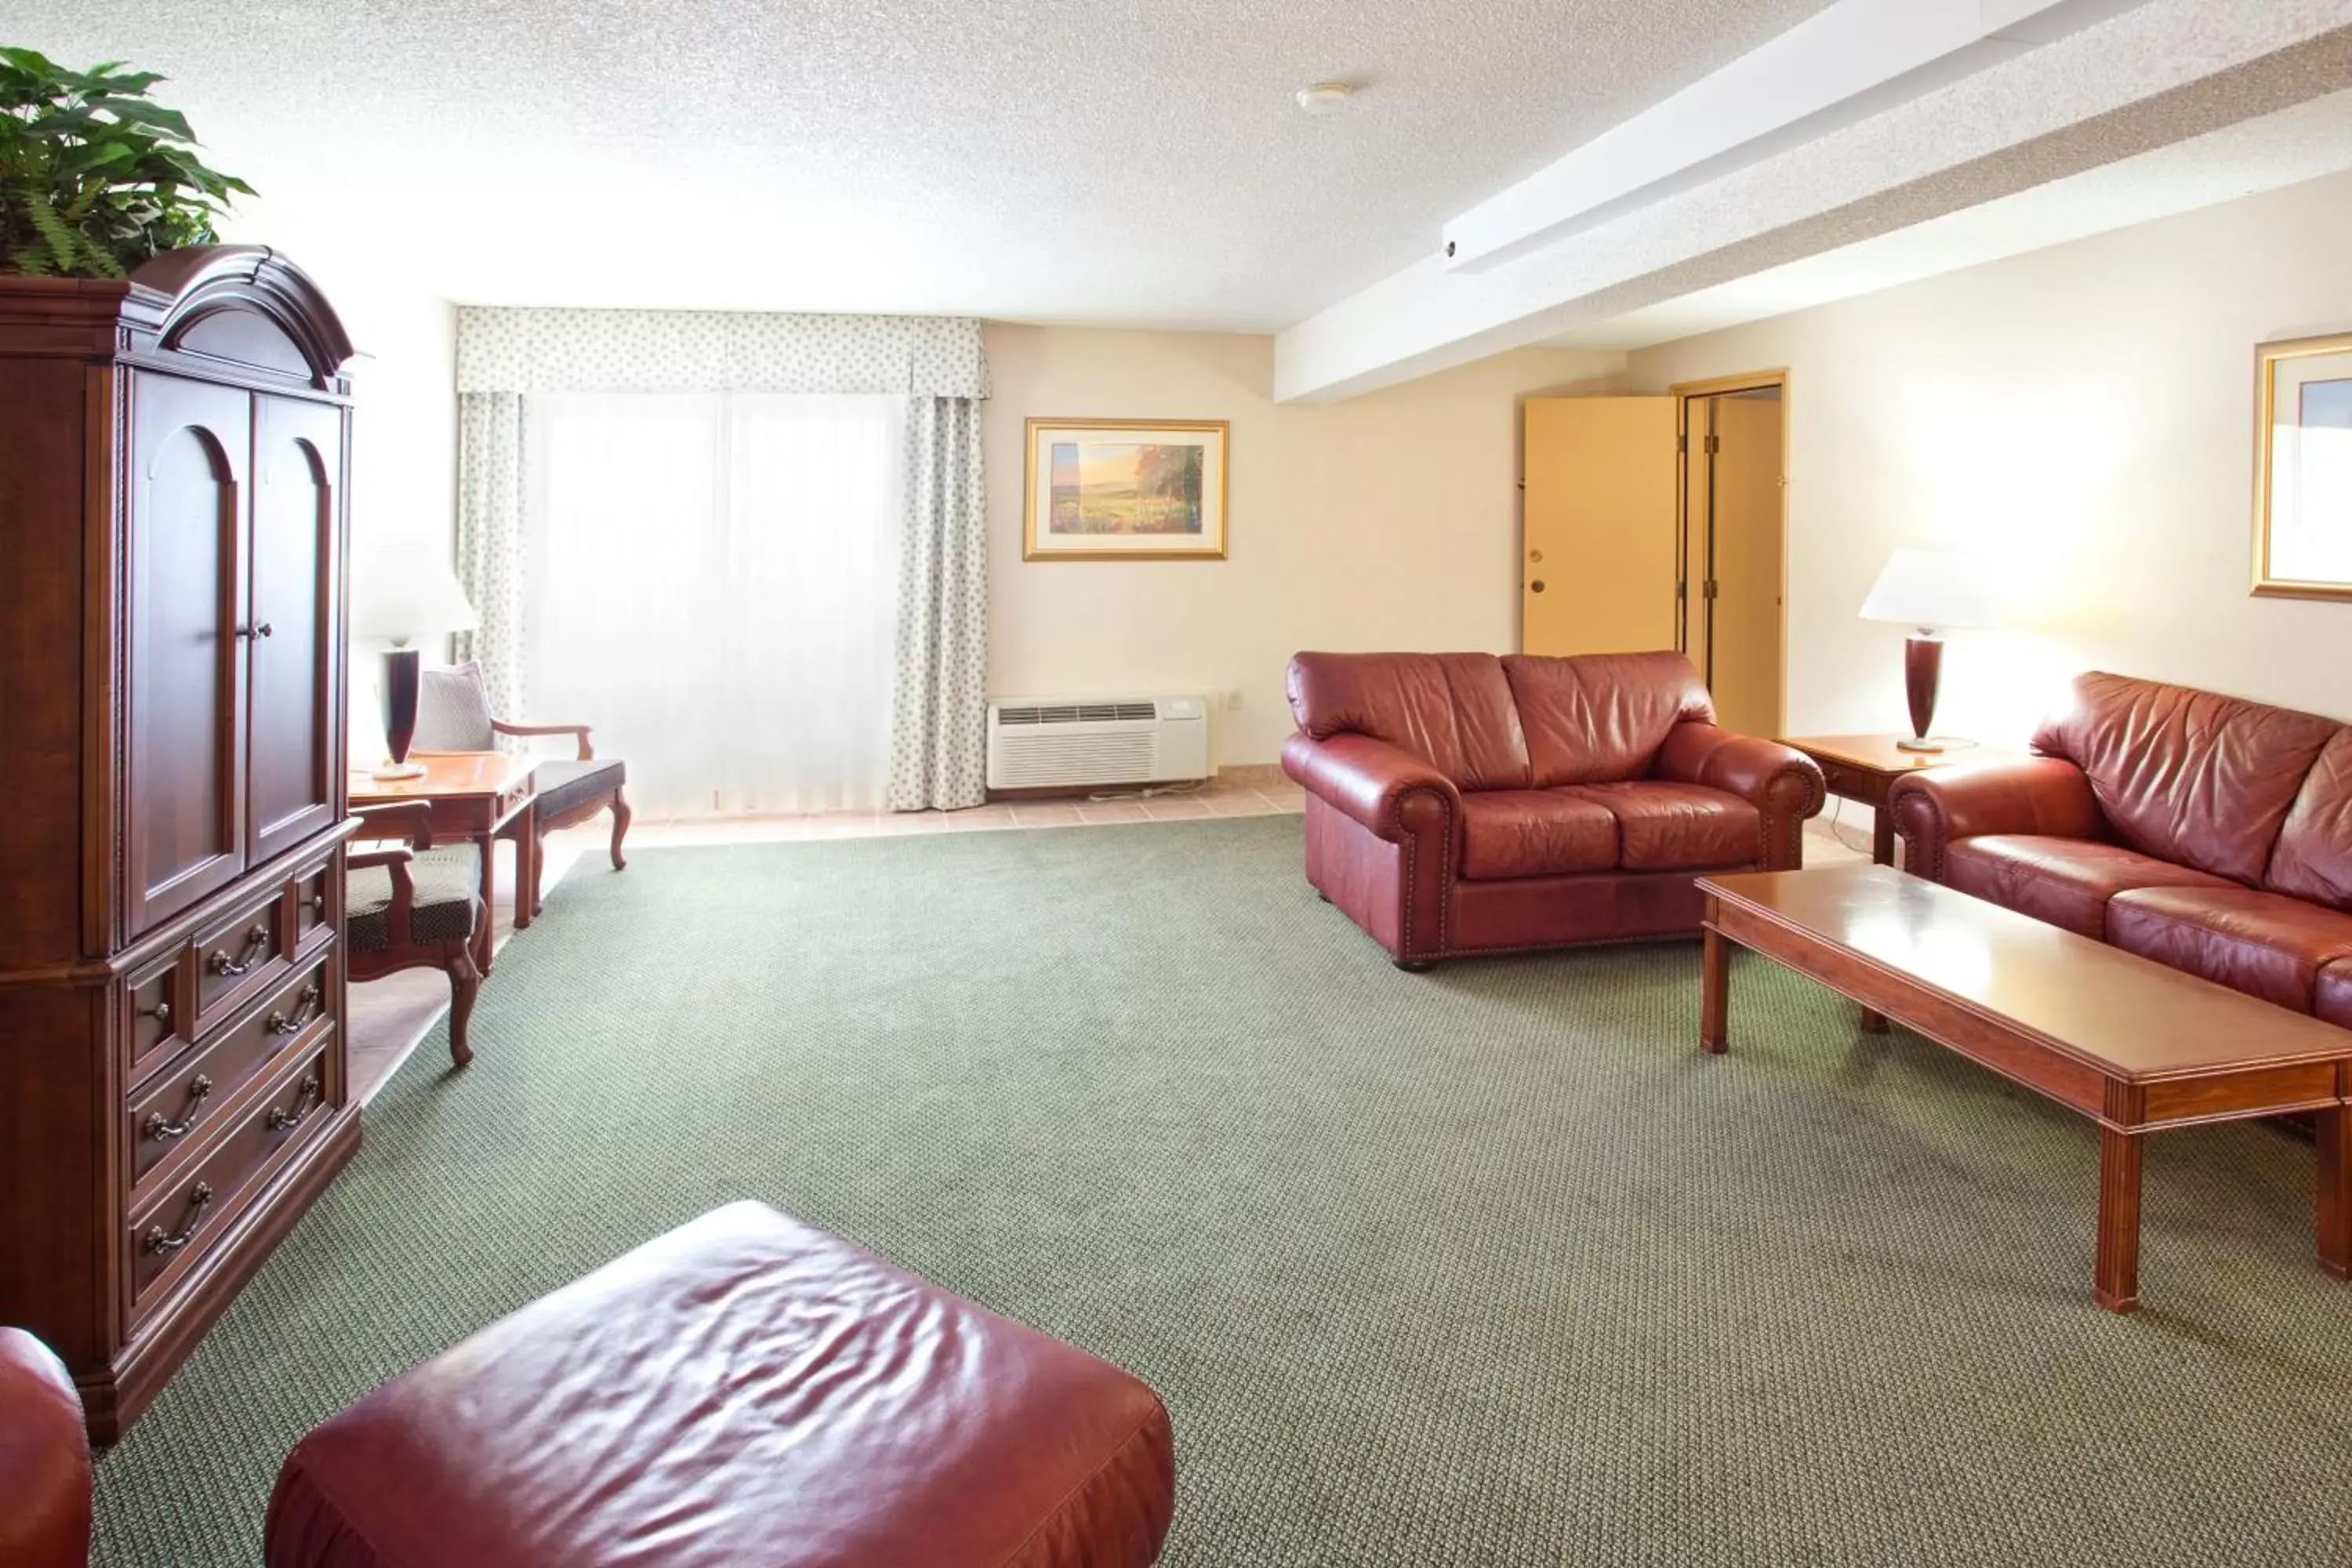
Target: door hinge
{"points": [[1710, 588], [1714, 445], [1682, 445]]}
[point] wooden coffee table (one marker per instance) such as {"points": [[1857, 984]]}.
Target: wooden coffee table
{"points": [[2134, 1045]]}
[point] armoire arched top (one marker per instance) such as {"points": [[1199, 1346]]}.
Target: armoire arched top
{"points": [[248, 306]]}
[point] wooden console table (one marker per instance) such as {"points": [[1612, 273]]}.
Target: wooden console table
{"points": [[474, 795], [2134, 1045]]}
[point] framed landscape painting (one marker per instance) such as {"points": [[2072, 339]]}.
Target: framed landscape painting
{"points": [[1116, 490]]}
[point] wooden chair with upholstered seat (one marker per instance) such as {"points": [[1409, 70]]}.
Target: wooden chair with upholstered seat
{"points": [[416, 908], [452, 714]]}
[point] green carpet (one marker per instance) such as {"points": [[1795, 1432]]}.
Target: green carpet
{"points": [[1488, 1265]]}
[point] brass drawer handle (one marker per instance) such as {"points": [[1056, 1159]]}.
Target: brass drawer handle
{"points": [[221, 963], [198, 1197], [162, 1013], [305, 1009], [279, 1120], [163, 1131]]}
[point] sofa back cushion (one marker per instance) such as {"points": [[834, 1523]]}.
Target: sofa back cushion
{"points": [[2314, 856], [1599, 718], [2189, 776], [1452, 711]]}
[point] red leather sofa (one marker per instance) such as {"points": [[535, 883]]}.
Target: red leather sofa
{"points": [[44, 1460], [2207, 833], [1458, 803]]}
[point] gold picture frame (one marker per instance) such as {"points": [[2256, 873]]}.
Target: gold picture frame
{"points": [[2302, 478], [1124, 489]]}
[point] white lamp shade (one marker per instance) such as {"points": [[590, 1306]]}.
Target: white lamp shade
{"points": [[1935, 590], [404, 591]]}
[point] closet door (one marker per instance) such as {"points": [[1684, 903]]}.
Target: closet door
{"points": [[184, 805], [294, 616]]}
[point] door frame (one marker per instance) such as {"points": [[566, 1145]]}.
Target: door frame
{"points": [[1685, 392]]}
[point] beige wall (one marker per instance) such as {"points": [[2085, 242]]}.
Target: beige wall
{"points": [[1387, 522], [2087, 413]]}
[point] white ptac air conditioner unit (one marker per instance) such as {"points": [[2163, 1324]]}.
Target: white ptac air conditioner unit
{"points": [[1081, 742]]}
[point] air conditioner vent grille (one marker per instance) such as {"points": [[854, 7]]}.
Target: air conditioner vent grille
{"points": [[1079, 713]]}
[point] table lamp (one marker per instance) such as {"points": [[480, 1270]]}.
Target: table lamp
{"points": [[1932, 591], [401, 593]]}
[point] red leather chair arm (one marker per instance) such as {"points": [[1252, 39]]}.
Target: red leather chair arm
{"points": [[44, 1460], [2046, 796], [1386, 788], [1781, 783]]}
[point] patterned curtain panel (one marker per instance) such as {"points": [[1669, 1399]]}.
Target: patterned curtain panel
{"points": [[938, 740], [490, 561]]}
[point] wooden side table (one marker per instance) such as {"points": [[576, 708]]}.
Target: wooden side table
{"points": [[1864, 768], [474, 795]]}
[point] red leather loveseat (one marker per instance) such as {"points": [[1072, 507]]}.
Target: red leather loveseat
{"points": [[1458, 803], [2207, 833]]}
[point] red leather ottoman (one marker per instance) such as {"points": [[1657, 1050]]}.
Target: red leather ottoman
{"points": [[748, 1392], [44, 1460]]}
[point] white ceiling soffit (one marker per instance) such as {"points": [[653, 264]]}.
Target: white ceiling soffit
{"points": [[2018, 96]]}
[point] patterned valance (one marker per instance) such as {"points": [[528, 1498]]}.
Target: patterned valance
{"points": [[502, 349]]}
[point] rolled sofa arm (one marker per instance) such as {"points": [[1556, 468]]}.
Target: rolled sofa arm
{"points": [[2045, 797], [1781, 783], [1386, 788], [44, 1460]]}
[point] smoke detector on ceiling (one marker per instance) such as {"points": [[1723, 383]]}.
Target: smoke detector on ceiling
{"points": [[1324, 97]]}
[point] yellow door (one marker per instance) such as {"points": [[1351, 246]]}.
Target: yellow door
{"points": [[1597, 574], [1743, 641]]}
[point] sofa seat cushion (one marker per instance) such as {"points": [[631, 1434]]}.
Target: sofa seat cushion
{"points": [[2066, 881], [2264, 944], [1511, 833], [1664, 827], [2332, 994]]}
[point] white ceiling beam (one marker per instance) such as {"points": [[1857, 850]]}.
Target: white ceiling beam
{"points": [[1856, 59], [2148, 76]]}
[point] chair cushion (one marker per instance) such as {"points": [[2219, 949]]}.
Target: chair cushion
{"points": [[1600, 717], [453, 710], [448, 879], [1664, 827], [2261, 943], [1452, 711], [2066, 881], [562, 785], [744, 1391], [2185, 775], [1508, 833]]}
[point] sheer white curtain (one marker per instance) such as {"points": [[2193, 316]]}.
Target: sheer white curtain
{"points": [[714, 585]]}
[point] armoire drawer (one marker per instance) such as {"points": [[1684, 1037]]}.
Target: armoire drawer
{"points": [[156, 1027], [187, 1215], [172, 1113], [236, 955]]}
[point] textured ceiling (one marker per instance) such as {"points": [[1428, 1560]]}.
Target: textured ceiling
{"points": [[1064, 160]]}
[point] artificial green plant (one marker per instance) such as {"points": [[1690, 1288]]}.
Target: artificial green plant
{"points": [[95, 177]]}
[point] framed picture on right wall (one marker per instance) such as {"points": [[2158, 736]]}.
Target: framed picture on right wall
{"points": [[2303, 468]]}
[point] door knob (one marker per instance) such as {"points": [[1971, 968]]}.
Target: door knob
{"points": [[1535, 556], [1536, 587], [262, 630]]}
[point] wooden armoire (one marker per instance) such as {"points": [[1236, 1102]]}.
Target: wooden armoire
{"points": [[172, 1087]]}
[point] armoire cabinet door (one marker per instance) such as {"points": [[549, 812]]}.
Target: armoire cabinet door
{"points": [[184, 808], [295, 614]]}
